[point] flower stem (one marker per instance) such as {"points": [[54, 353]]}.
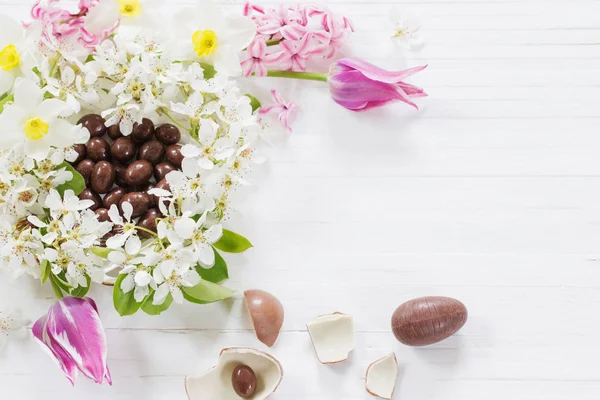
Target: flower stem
{"points": [[309, 76], [166, 112], [139, 228], [6, 100], [57, 291], [274, 42]]}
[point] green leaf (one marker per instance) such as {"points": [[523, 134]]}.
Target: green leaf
{"points": [[254, 102], [101, 252], [209, 70], [206, 292], [56, 287], [218, 273], [77, 184], [81, 291], [125, 303], [45, 271], [231, 242], [151, 309]]}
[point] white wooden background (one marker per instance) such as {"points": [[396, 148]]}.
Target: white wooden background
{"points": [[490, 194]]}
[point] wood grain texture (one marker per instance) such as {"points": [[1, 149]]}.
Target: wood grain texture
{"points": [[490, 194]]}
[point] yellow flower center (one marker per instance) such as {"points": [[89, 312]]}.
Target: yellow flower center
{"points": [[130, 8], [36, 129], [9, 58], [205, 43]]}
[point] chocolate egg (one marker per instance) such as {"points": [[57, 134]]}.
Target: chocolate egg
{"points": [[103, 177], [121, 175], [81, 151], [243, 380], [114, 197], [152, 151], [139, 201], [123, 149], [98, 149], [174, 155], [162, 170], [94, 123], [139, 172], [143, 132], [168, 134], [85, 169], [428, 320], [114, 132], [148, 221], [89, 194]]}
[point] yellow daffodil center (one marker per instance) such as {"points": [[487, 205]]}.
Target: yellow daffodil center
{"points": [[205, 43], [36, 129], [130, 8], [9, 57]]}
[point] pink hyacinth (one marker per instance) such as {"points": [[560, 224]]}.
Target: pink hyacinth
{"points": [[285, 111], [359, 85], [73, 334], [259, 59]]}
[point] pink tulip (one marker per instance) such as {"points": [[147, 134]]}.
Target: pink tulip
{"points": [[73, 334], [358, 85]]}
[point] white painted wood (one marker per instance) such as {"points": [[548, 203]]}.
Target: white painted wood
{"points": [[490, 194]]}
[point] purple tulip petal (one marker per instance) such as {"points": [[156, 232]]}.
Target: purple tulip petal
{"points": [[378, 74], [63, 360]]}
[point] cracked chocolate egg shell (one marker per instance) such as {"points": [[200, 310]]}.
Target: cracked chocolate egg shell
{"points": [[428, 320]]}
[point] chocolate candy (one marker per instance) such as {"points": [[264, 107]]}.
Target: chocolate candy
{"points": [[162, 170], [81, 151], [168, 134], [123, 149], [120, 175], [160, 185], [89, 194], [142, 132], [114, 197], [139, 172], [102, 214], [428, 320], [103, 177], [174, 155], [98, 149], [114, 132], [93, 123], [148, 221], [139, 201], [152, 151], [243, 380], [85, 168]]}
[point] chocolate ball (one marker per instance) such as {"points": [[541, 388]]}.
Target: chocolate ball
{"points": [[102, 214], [243, 380], [139, 172], [103, 177], [162, 170], [81, 151], [174, 155], [94, 123], [120, 175], [143, 132], [89, 194], [152, 151], [85, 168], [168, 134], [98, 149], [148, 221], [139, 201], [114, 197], [114, 132], [123, 149]]}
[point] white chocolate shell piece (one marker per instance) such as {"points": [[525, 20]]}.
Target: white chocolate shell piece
{"points": [[216, 382], [382, 376], [332, 337]]}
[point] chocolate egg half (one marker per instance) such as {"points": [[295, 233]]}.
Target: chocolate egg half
{"points": [[428, 320]]}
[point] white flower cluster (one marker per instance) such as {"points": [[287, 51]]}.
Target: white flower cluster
{"points": [[66, 64]]}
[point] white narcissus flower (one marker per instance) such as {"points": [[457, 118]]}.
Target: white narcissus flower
{"points": [[203, 33], [405, 29], [36, 122], [137, 13], [12, 50], [202, 240]]}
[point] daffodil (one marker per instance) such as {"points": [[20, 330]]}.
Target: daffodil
{"points": [[136, 13], [203, 33], [12, 50], [36, 122]]}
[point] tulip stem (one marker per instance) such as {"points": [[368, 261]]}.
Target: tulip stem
{"points": [[309, 76], [57, 290]]}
